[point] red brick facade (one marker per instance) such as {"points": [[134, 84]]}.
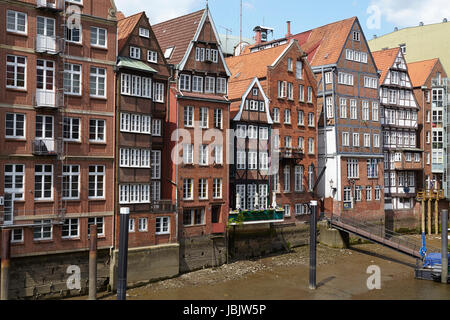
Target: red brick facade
{"points": [[83, 153]]}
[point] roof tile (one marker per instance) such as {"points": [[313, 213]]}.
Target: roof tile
{"points": [[178, 33]]}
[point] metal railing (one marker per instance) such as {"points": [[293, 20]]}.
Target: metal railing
{"points": [[379, 234], [163, 206]]}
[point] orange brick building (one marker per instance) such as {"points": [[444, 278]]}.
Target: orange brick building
{"points": [[289, 83], [57, 142], [197, 123], [350, 146]]}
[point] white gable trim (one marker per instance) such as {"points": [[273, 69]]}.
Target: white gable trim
{"points": [[206, 14], [243, 98], [283, 53]]}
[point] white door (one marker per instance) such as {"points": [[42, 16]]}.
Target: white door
{"points": [[45, 83], [45, 38], [44, 134]]}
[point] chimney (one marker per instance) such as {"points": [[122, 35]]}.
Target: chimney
{"points": [[258, 35], [288, 34]]}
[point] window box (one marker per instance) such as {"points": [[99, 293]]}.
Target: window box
{"points": [[256, 217]]}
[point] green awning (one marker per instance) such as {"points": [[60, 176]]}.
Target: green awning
{"points": [[125, 62]]}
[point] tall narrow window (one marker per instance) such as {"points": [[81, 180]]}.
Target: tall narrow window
{"points": [[15, 180], [71, 182], [43, 182], [16, 72], [96, 182], [98, 82], [97, 130]]}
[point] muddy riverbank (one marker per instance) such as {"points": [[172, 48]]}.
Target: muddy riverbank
{"points": [[341, 274]]}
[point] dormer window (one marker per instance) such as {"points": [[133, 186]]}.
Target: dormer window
{"points": [[143, 32], [135, 52], [152, 56], [200, 54], [168, 52]]}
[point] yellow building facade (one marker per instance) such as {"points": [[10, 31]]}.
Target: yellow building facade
{"points": [[420, 43]]}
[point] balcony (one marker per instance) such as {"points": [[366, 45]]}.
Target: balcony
{"points": [[163, 206], [50, 45], [249, 217], [53, 5], [47, 147], [49, 99], [291, 153], [412, 165]]}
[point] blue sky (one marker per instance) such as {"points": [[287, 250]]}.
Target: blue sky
{"points": [[376, 16]]}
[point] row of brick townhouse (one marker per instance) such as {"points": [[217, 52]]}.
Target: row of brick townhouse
{"points": [[114, 112], [350, 149]]}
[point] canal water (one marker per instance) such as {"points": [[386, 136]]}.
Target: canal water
{"points": [[341, 275]]}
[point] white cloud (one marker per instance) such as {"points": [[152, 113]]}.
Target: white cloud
{"points": [[407, 13], [161, 10]]}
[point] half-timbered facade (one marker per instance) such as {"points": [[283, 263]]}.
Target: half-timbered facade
{"points": [[403, 159], [251, 123], [142, 84], [287, 80]]}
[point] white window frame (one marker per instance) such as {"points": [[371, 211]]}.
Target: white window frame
{"points": [[99, 180], [15, 128], [70, 177], [97, 134], [72, 227], [95, 41], [70, 76], [43, 175], [98, 78], [162, 225], [152, 56], [217, 188], [16, 29], [135, 53], [17, 66]]}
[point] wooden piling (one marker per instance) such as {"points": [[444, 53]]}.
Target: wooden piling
{"points": [[93, 262], [6, 256]]}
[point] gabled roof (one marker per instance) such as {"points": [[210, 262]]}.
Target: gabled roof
{"points": [[384, 59], [324, 45], [236, 114], [250, 65], [125, 27], [420, 71], [178, 33]]}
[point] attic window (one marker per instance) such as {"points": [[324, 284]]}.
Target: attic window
{"points": [[144, 32], [403, 48], [356, 36], [168, 52]]}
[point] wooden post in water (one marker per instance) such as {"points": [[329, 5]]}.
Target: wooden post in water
{"points": [[6, 256], [312, 245], [444, 251], [429, 216], [93, 262], [123, 254], [423, 215], [436, 214]]}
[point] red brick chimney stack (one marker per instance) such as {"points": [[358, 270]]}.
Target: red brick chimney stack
{"points": [[288, 34]]}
